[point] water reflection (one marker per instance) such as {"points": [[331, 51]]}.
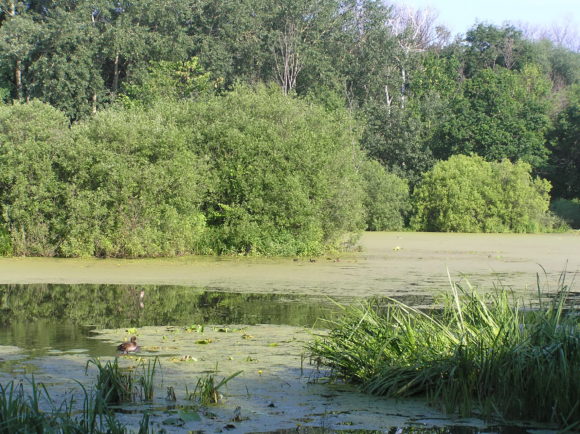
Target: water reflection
{"points": [[45, 317], [114, 306]]}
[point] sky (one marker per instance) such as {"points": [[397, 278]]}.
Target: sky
{"points": [[460, 15]]}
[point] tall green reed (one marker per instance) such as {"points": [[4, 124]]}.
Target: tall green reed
{"points": [[481, 352]]}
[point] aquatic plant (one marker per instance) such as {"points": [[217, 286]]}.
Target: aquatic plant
{"points": [[481, 353], [35, 411], [114, 384], [146, 380], [206, 390], [19, 411]]}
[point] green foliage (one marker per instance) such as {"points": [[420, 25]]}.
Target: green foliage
{"points": [[169, 80], [133, 188], [396, 138], [488, 46], [568, 210], [564, 164], [387, 198], [481, 352], [499, 114], [468, 194], [30, 190], [250, 172], [287, 172]]}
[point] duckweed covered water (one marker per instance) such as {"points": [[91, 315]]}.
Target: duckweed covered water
{"points": [[216, 316]]}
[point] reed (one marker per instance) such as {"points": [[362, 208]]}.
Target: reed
{"points": [[147, 379], [482, 353], [115, 385], [36, 412], [207, 391]]}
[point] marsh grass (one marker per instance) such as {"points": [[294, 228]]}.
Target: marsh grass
{"points": [[207, 391], [147, 379], [19, 410], [481, 353], [118, 385], [34, 411], [115, 385]]}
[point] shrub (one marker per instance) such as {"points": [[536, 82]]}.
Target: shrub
{"points": [[30, 190], [468, 194], [133, 187], [251, 172], [386, 200], [286, 170]]}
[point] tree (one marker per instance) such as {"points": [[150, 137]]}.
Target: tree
{"points": [[499, 114], [396, 138], [488, 46], [564, 140], [168, 80], [18, 36]]}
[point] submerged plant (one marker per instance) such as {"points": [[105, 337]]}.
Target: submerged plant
{"points": [[206, 390], [481, 352]]}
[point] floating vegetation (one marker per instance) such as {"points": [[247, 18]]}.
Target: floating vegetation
{"points": [[480, 354], [195, 328]]}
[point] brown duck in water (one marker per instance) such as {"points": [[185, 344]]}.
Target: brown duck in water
{"points": [[129, 347]]}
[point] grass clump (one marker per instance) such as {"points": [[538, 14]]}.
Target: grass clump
{"points": [[114, 384], [34, 411], [207, 390], [482, 353]]}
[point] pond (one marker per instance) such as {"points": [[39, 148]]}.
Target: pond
{"points": [[223, 315]]}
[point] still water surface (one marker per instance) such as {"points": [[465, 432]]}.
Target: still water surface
{"points": [[57, 314]]}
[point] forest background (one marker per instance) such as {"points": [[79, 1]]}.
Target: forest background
{"points": [[149, 128]]}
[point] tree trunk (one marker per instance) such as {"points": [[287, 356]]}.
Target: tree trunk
{"points": [[115, 85], [18, 80], [18, 62], [94, 102]]}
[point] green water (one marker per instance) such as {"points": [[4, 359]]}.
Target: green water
{"points": [[51, 330]]}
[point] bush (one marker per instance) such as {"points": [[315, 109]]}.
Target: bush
{"points": [[30, 190], [468, 194], [286, 170], [386, 200], [133, 187], [251, 172]]}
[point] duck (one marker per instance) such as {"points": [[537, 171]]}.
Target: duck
{"points": [[129, 347]]}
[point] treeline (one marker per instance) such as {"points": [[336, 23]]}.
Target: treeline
{"points": [[272, 127]]}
